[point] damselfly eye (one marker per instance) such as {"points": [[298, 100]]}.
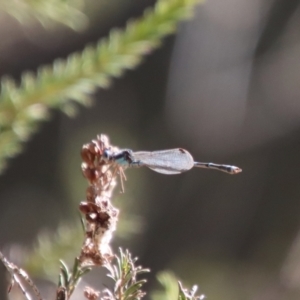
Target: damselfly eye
{"points": [[107, 154]]}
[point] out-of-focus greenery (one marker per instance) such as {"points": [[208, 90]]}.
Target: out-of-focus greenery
{"points": [[51, 248], [67, 12], [174, 289], [170, 287]]}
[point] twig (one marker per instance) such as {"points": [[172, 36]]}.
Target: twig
{"points": [[14, 272]]}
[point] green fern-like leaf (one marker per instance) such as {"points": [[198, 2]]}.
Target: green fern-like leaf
{"points": [[73, 80]]}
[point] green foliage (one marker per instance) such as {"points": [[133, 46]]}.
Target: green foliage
{"points": [[124, 273], [173, 289], [73, 80], [68, 279], [67, 12], [170, 285]]}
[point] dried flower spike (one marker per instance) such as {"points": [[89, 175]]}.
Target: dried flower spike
{"points": [[101, 217]]}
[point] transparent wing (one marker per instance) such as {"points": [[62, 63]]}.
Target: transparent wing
{"points": [[173, 161]]}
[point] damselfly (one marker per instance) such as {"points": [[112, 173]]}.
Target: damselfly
{"points": [[172, 161]]}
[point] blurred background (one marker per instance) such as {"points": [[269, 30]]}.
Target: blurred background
{"points": [[226, 87]]}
